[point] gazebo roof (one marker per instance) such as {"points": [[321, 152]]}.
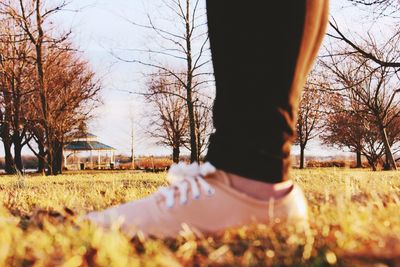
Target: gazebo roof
{"points": [[84, 135], [87, 146]]}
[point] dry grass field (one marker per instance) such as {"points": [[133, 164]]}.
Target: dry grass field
{"points": [[355, 221]]}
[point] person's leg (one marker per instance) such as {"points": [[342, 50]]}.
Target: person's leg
{"points": [[260, 66]]}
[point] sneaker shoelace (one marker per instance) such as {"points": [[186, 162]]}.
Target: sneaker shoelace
{"points": [[182, 177]]}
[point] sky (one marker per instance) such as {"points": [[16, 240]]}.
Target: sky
{"points": [[99, 28]]}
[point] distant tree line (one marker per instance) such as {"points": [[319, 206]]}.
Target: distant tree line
{"points": [[47, 91]]}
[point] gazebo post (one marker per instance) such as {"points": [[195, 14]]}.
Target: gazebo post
{"points": [[91, 159], [98, 160], [77, 160]]}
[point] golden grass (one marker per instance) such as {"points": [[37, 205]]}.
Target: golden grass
{"points": [[355, 221]]}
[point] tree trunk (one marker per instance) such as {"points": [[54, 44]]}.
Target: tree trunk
{"points": [[198, 139], [5, 134], [18, 156], [175, 154], [17, 136], [49, 161], [9, 166], [302, 157], [42, 88], [193, 129], [388, 150], [194, 154], [57, 157], [41, 159], [358, 159], [373, 162], [373, 165]]}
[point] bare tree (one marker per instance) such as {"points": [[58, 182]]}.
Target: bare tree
{"points": [[380, 53], [169, 122], [310, 114], [374, 87], [188, 44]]}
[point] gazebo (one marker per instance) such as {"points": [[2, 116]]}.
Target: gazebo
{"points": [[88, 143]]}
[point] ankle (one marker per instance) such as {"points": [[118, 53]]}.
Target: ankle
{"points": [[258, 189]]}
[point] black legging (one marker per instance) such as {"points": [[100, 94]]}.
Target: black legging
{"points": [[260, 66]]}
